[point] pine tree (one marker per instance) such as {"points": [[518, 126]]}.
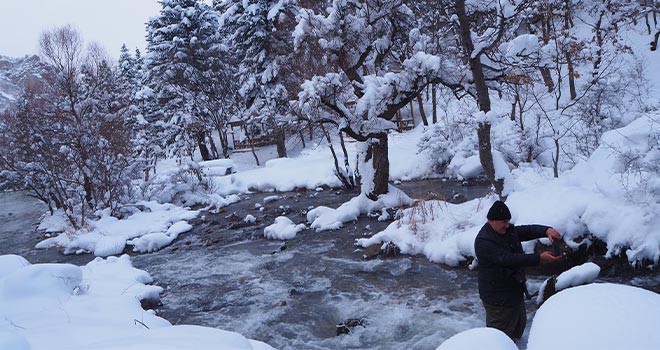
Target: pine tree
{"points": [[182, 56], [259, 33]]}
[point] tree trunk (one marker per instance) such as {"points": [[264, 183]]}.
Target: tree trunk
{"points": [[302, 137], [513, 108], [434, 103], [547, 78], [571, 77], [486, 158], [214, 150], [87, 185], [311, 130], [483, 99], [203, 150], [251, 139], [280, 142], [646, 18], [224, 142], [568, 24], [420, 104], [555, 159], [347, 165], [375, 181], [520, 113]]}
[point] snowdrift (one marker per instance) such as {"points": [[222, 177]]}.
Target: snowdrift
{"points": [[602, 198], [96, 306]]}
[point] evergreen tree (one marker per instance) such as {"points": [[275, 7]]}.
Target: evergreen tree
{"points": [[127, 70], [181, 61], [259, 34]]}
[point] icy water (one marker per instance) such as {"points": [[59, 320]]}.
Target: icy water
{"points": [[293, 296], [224, 274]]}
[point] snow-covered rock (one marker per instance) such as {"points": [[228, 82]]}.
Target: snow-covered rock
{"points": [[479, 338], [145, 230], [578, 275], [597, 316], [283, 228], [323, 218]]}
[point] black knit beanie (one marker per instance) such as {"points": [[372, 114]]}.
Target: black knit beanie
{"points": [[499, 211]]}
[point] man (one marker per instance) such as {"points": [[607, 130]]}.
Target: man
{"points": [[501, 268]]}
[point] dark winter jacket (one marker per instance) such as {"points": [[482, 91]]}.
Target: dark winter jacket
{"points": [[501, 262]]}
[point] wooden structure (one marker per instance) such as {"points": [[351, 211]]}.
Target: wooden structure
{"points": [[405, 124], [241, 138]]}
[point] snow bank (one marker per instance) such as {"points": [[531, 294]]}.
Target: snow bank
{"points": [[155, 241], [283, 228], [578, 275], [314, 167], [10, 263], [30, 282], [324, 218], [442, 231], [479, 338], [65, 307], [147, 231], [597, 197], [183, 337], [597, 316]]}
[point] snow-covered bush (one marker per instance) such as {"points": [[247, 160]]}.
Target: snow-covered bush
{"points": [[441, 142], [186, 185]]}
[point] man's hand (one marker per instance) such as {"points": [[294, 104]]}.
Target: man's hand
{"points": [[552, 234], [547, 257]]}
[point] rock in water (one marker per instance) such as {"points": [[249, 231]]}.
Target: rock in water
{"points": [[345, 327]]}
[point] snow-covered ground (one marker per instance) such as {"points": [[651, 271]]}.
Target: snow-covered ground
{"points": [[595, 316], [314, 166], [97, 306], [592, 198]]}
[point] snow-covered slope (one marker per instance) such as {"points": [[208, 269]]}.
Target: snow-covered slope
{"points": [[15, 74]]}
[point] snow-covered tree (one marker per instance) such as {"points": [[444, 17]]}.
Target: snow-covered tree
{"points": [[258, 32], [69, 143], [370, 75], [182, 60]]}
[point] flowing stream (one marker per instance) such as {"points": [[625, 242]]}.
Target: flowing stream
{"points": [[293, 295]]}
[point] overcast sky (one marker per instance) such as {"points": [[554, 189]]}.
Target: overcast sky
{"points": [[108, 22]]}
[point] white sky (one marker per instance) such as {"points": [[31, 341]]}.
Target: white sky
{"points": [[108, 22]]}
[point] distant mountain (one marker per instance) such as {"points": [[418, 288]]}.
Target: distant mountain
{"points": [[15, 74]]}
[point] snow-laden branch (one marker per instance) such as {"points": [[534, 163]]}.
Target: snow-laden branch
{"points": [[382, 96]]}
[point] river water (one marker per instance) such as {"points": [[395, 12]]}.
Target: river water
{"points": [[224, 274]]}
